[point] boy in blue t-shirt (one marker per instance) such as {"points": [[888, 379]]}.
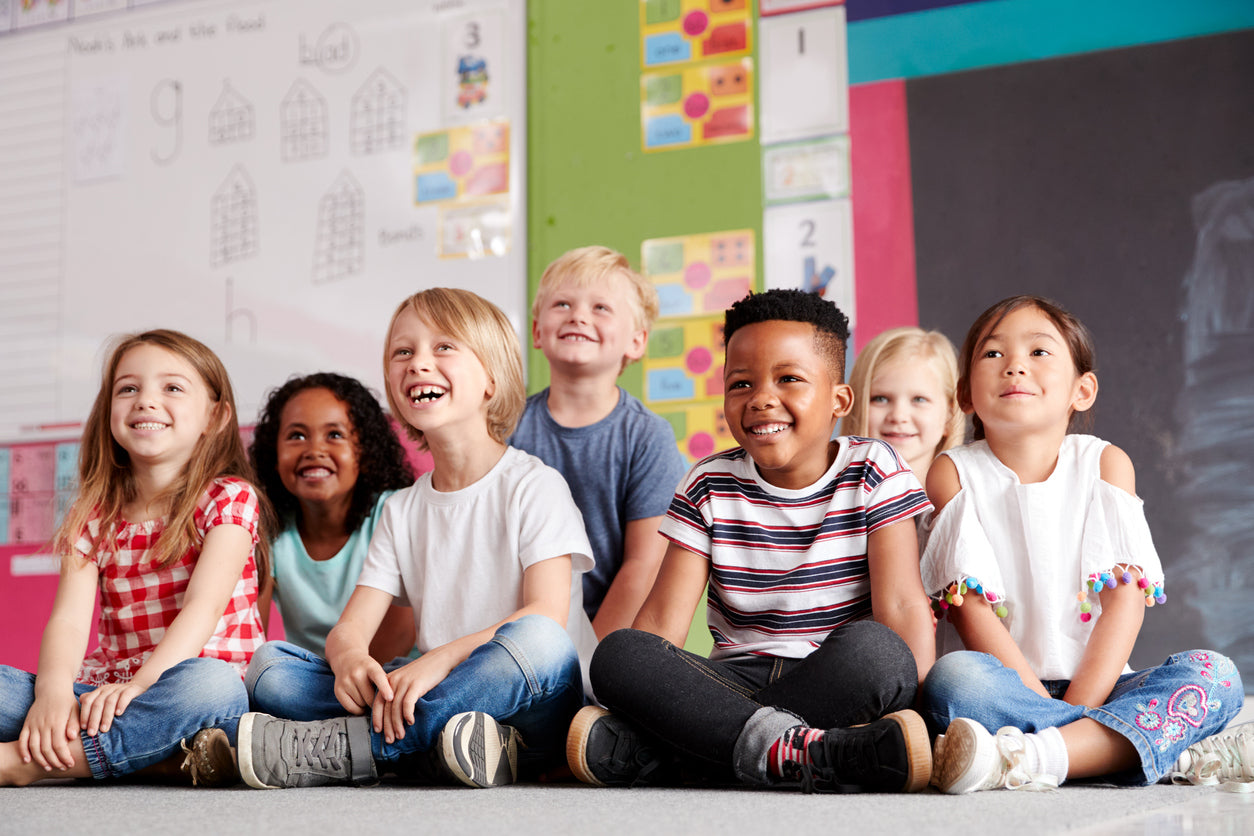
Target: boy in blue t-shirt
{"points": [[591, 318]]}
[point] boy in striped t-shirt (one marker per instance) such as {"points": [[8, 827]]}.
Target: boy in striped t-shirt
{"points": [[806, 544]]}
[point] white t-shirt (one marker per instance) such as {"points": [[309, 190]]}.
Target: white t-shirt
{"points": [[1035, 545], [458, 557]]}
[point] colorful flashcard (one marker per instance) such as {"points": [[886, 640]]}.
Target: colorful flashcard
{"points": [[672, 31], [684, 360], [36, 12], [804, 75], [65, 479], [474, 58], [700, 428], [810, 246], [811, 170], [697, 105], [475, 230], [766, 8], [461, 163], [700, 274]]}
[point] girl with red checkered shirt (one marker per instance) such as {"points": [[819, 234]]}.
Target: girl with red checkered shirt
{"points": [[170, 529]]}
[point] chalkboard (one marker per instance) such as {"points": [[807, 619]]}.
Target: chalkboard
{"points": [[1112, 182], [270, 176]]}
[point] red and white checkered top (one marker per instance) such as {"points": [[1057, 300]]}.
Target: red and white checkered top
{"points": [[138, 601]]}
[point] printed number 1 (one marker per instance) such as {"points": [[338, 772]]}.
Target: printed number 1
{"points": [[801, 41]]}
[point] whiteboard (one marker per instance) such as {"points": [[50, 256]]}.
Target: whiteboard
{"points": [[246, 172]]}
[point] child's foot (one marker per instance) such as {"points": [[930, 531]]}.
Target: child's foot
{"points": [[479, 751], [276, 753], [1227, 757], [972, 759], [893, 754], [607, 751], [210, 760]]}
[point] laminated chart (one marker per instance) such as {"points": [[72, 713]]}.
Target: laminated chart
{"points": [[468, 161], [695, 106], [697, 277], [700, 428], [674, 31], [37, 486], [700, 274]]}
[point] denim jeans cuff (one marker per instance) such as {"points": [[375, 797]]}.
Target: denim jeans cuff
{"points": [[754, 743]]}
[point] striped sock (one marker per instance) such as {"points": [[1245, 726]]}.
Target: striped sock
{"points": [[791, 746]]}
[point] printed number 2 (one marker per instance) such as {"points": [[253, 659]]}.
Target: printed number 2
{"points": [[807, 240]]}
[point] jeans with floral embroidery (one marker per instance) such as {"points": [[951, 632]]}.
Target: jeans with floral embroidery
{"points": [[1161, 710]]}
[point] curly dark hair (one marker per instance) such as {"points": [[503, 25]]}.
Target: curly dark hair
{"points": [[831, 326], [381, 461]]}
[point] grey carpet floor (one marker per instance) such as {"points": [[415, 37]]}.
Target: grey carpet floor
{"points": [[543, 810]]}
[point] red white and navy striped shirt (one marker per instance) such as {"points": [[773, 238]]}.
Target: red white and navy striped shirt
{"points": [[789, 566]]}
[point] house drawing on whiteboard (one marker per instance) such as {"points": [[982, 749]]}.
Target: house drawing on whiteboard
{"points": [[303, 123], [340, 242], [378, 115], [233, 218], [231, 118]]}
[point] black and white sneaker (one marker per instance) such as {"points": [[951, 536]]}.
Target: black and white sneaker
{"points": [[479, 751], [892, 754]]}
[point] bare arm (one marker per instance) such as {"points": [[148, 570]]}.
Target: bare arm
{"points": [[1123, 612], [265, 596], [643, 550], [395, 636], [978, 626], [897, 597], [223, 555], [53, 719], [670, 605]]}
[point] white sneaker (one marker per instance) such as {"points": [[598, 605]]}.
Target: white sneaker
{"points": [[971, 759], [1227, 758]]}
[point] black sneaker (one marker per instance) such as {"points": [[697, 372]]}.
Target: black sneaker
{"points": [[276, 753], [607, 751], [893, 754], [479, 751]]}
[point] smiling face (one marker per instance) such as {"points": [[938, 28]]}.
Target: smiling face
{"points": [[907, 407], [1023, 377], [588, 330], [437, 383], [781, 401], [317, 449], [160, 407]]}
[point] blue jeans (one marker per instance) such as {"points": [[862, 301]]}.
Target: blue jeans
{"points": [[195, 694], [1161, 711], [527, 676]]}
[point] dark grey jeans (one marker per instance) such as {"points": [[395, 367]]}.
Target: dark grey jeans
{"points": [[726, 713]]}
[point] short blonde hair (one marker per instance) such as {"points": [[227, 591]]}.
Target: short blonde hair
{"points": [[486, 331], [897, 344], [588, 266]]}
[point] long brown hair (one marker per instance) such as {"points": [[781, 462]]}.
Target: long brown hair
{"points": [[106, 483]]}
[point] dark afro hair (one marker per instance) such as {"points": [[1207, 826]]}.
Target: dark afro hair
{"points": [[381, 461], [831, 326]]}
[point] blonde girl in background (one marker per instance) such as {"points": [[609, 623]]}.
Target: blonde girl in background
{"points": [[905, 392], [165, 529]]}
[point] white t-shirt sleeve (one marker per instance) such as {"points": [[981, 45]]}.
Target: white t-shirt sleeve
{"points": [[549, 522], [381, 569]]}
